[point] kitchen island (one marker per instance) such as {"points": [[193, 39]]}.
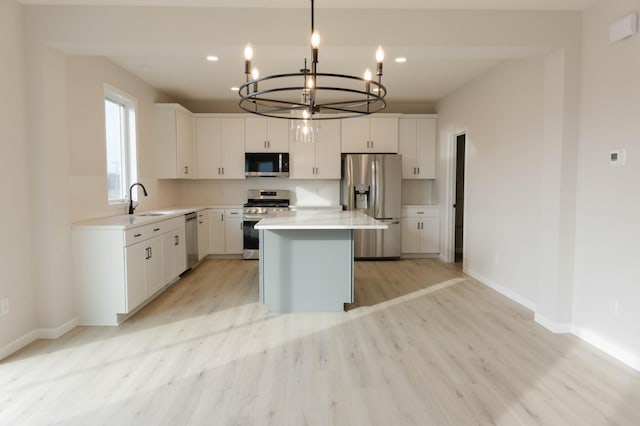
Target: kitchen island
{"points": [[306, 259]]}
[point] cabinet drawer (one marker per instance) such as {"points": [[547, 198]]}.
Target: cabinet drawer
{"points": [[420, 211], [141, 233], [231, 213]]}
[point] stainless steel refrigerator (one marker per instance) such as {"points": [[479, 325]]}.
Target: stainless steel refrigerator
{"points": [[371, 183]]}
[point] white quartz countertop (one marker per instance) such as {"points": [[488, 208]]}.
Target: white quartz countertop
{"points": [[320, 220], [126, 221]]}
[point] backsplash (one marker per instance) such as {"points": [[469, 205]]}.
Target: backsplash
{"points": [[234, 192]]}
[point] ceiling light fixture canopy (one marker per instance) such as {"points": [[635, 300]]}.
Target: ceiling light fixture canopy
{"points": [[309, 94]]}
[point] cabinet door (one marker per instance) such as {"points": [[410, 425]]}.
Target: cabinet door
{"points": [[277, 135], [409, 235], [302, 160], [216, 231], [255, 134], [426, 148], [136, 285], [179, 252], [154, 265], [384, 134], [407, 137], [208, 135], [429, 235], [355, 135], [232, 148], [203, 235], [185, 142], [233, 235], [328, 165]]}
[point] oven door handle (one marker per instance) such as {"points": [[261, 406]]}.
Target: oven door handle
{"points": [[252, 218]]}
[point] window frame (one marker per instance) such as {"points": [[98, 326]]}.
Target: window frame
{"points": [[130, 136]]}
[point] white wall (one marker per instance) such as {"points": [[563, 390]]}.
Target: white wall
{"points": [[502, 113], [17, 282], [86, 76], [608, 213]]}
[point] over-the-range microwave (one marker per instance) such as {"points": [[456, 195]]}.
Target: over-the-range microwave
{"points": [[270, 164]]}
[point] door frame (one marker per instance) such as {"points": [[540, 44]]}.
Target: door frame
{"points": [[449, 211]]}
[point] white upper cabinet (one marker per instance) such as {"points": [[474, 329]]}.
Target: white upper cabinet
{"points": [[370, 134], [220, 147], [175, 134], [417, 144], [318, 160], [266, 134]]}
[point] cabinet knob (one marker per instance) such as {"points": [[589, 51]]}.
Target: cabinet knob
{"points": [[156, 229], [137, 235]]}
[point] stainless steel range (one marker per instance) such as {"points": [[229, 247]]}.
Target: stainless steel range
{"points": [[260, 203]]}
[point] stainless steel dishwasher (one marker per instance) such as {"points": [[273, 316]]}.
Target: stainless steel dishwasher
{"points": [[191, 229]]}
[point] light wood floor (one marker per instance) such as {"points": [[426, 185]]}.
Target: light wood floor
{"points": [[423, 345]]}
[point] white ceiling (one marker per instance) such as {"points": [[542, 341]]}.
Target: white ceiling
{"points": [[346, 4], [431, 72]]}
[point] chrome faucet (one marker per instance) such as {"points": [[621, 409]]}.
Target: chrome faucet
{"points": [[131, 208]]}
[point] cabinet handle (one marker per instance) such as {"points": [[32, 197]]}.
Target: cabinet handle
{"points": [[177, 238], [186, 170], [218, 170], [146, 253], [156, 229], [241, 226], [137, 235], [418, 170], [223, 170], [221, 217]]}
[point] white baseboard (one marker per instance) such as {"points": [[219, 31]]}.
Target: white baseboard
{"points": [[502, 290], [40, 333], [553, 326], [54, 333], [607, 347], [593, 339], [18, 344]]}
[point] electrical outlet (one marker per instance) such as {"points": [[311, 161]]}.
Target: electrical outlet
{"points": [[4, 306], [613, 306]]}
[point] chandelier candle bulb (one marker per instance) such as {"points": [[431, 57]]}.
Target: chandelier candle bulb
{"points": [[248, 55], [256, 75], [379, 59]]}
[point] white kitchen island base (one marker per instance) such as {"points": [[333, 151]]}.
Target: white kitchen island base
{"points": [[306, 260], [308, 270]]}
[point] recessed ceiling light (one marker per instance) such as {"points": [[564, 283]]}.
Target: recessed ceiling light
{"points": [[235, 89], [401, 60], [212, 58]]}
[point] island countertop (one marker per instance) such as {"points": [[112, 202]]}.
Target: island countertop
{"points": [[320, 220]]}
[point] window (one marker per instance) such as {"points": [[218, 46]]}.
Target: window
{"points": [[120, 125]]}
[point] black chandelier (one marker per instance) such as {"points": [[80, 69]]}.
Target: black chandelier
{"points": [[311, 95]]}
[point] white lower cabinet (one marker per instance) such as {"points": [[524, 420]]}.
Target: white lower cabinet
{"points": [[174, 256], [233, 232], [420, 230], [203, 234], [116, 271], [225, 231]]}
